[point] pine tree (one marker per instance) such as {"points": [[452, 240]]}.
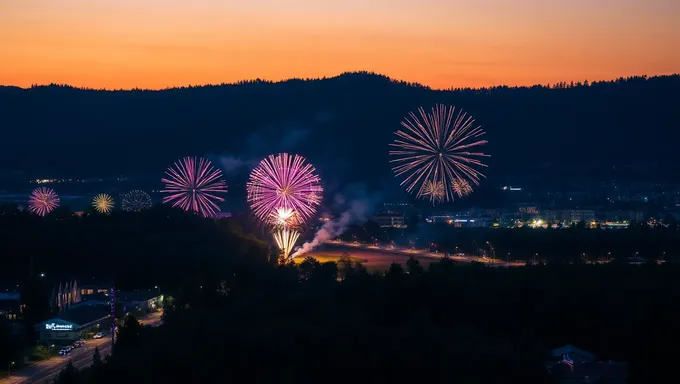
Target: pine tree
{"points": [[69, 375], [96, 359]]}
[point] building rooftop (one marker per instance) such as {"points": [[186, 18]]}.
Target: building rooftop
{"points": [[10, 296], [570, 349], [103, 297], [135, 296], [81, 315], [609, 372]]}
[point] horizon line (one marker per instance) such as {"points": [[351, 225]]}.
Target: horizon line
{"points": [[358, 72]]}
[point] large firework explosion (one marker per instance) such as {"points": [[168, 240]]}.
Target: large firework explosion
{"points": [[285, 239], [194, 185], [43, 201], [437, 147], [136, 200], [103, 203], [284, 181]]}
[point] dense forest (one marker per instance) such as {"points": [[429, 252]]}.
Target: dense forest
{"points": [[159, 247], [236, 313], [463, 324], [342, 124], [170, 248]]}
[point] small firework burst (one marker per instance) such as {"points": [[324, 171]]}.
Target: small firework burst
{"points": [[43, 201], [461, 187], [434, 190], [103, 203], [136, 200], [284, 217]]}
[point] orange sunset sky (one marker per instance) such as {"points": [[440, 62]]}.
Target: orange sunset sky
{"points": [[440, 43]]}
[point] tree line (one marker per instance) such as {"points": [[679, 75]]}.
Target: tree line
{"points": [[335, 322]]}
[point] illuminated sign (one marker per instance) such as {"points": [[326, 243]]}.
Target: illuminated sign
{"points": [[59, 327]]}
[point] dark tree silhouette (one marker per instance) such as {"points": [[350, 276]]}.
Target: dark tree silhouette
{"points": [[96, 359], [69, 375], [128, 335]]}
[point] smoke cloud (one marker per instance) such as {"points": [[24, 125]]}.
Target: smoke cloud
{"points": [[357, 204], [232, 164], [272, 139]]}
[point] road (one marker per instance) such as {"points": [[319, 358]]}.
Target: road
{"points": [[153, 320], [380, 258], [44, 372]]}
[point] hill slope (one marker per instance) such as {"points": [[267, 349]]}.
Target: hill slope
{"points": [[342, 124]]}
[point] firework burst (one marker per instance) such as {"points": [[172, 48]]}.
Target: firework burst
{"points": [[285, 239], [103, 203], [437, 147], [285, 182], [284, 217], [461, 187], [136, 200], [434, 190], [43, 201], [194, 185]]}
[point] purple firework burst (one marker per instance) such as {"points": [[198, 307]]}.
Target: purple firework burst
{"points": [[287, 182], [193, 184], [43, 201]]}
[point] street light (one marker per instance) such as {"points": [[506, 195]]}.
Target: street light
{"points": [[9, 366]]}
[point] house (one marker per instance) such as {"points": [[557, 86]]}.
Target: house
{"points": [[10, 305], [140, 300], [570, 364], [93, 289], [65, 295]]}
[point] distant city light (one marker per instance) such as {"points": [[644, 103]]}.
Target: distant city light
{"points": [[511, 188]]}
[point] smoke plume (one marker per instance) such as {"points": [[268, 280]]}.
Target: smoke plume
{"points": [[357, 203]]}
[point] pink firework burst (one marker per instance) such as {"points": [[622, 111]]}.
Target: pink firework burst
{"points": [[286, 182], [193, 184], [440, 147], [43, 201]]}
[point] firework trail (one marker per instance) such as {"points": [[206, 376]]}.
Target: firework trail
{"points": [[461, 187], [193, 185], [103, 203], [136, 200], [43, 201], [437, 147], [284, 182], [285, 239]]}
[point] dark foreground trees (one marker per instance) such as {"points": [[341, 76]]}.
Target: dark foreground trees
{"points": [[450, 323]]}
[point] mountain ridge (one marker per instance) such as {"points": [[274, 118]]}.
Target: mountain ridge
{"points": [[342, 75], [343, 125]]}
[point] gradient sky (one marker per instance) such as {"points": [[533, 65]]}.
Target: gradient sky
{"points": [[440, 43]]}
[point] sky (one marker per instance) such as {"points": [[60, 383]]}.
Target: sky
{"points": [[440, 43]]}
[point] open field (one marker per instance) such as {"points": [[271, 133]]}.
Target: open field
{"points": [[379, 259], [326, 258], [373, 260]]}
